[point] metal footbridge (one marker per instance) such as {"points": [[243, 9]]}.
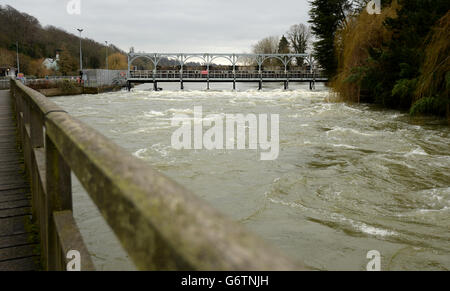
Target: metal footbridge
{"points": [[243, 68]]}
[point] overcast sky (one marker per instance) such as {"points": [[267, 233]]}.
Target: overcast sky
{"points": [[172, 25]]}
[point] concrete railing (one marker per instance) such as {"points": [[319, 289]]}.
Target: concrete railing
{"points": [[161, 225]]}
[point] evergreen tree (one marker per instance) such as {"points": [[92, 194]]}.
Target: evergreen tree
{"points": [[326, 17], [283, 46], [398, 59]]}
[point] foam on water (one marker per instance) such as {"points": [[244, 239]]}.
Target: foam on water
{"points": [[349, 178]]}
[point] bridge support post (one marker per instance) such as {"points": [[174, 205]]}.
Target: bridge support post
{"points": [[181, 85], [260, 62], [59, 198], [234, 60], [207, 69]]}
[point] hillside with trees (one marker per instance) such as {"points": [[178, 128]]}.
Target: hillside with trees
{"points": [[37, 43], [398, 59]]}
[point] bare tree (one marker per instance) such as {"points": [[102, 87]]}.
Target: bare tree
{"points": [[246, 61], [268, 45], [299, 36]]}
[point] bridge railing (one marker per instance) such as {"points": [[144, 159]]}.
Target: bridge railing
{"points": [[282, 75], [160, 224]]}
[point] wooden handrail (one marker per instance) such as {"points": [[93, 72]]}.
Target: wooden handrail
{"points": [[161, 225]]}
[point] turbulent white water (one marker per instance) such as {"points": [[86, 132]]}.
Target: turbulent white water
{"points": [[349, 179]]}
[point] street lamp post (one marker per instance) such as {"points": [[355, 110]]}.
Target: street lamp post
{"points": [[18, 63], [81, 53], [106, 55]]}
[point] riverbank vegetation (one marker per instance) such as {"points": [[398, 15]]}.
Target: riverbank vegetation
{"points": [[37, 43], [398, 59]]}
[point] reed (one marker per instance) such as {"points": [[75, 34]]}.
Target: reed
{"points": [[353, 42]]}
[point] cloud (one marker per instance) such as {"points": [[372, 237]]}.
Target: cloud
{"points": [[172, 25]]}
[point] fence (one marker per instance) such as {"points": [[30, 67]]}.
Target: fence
{"points": [[160, 224], [101, 78], [247, 75], [48, 83]]}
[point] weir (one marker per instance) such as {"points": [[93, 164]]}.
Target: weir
{"points": [[160, 224], [235, 74]]}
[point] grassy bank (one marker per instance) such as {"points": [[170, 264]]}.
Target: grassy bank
{"points": [[68, 87]]}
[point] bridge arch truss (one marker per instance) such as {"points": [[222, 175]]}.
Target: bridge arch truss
{"points": [[208, 59], [260, 76]]}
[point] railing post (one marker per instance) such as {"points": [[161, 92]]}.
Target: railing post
{"points": [[36, 141], [207, 70], [155, 84], [26, 137], [286, 74], [181, 60], [20, 115], [234, 74], [59, 198]]}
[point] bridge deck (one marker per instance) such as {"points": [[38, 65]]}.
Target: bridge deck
{"points": [[224, 76], [227, 80], [16, 249]]}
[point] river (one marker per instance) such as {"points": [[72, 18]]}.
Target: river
{"points": [[349, 178]]}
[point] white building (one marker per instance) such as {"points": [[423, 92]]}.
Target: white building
{"points": [[52, 64]]}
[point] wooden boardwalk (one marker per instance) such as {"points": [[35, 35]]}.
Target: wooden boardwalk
{"points": [[16, 247]]}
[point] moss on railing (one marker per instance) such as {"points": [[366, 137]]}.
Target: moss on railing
{"points": [[161, 225]]}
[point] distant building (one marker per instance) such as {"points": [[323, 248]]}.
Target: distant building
{"points": [[52, 64], [6, 71]]}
